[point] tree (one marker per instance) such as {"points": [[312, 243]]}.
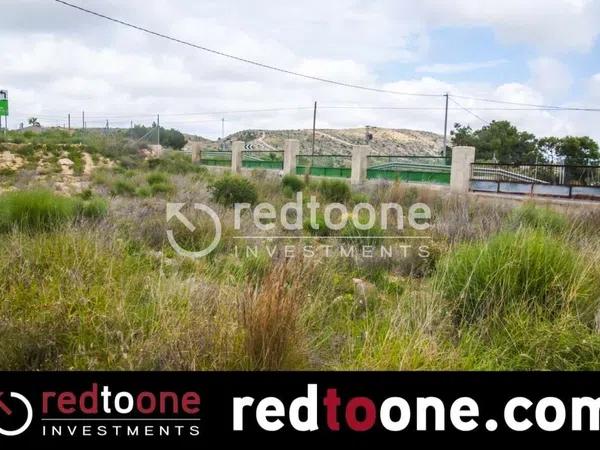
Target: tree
{"points": [[579, 150], [500, 140], [463, 136], [33, 122], [548, 147]]}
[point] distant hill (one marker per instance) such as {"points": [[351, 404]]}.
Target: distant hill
{"points": [[386, 141]]}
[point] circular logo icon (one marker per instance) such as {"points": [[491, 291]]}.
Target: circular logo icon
{"points": [[6, 410], [174, 211]]}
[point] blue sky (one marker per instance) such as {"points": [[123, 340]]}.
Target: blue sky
{"points": [[59, 61]]}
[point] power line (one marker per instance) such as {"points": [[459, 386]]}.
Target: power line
{"points": [[244, 60], [469, 111], [129, 116], [532, 105]]}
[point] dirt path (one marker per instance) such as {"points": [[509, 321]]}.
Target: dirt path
{"points": [[333, 138]]}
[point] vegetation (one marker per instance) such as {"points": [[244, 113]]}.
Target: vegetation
{"points": [[231, 189], [292, 182], [503, 141], [41, 210], [335, 190], [168, 138], [88, 280]]}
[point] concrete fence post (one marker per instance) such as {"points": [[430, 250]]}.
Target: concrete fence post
{"points": [[460, 171], [196, 152], [236, 156], [290, 151], [359, 163]]}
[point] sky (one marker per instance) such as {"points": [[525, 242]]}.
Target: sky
{"points": [[57, 60]]}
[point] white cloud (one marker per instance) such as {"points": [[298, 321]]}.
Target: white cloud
{"points": [[57, 61], [550, 76], [552, 25], [441, 68]]}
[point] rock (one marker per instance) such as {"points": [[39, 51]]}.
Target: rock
{"points": [[597, 322], [65, 162], [363, 292]]}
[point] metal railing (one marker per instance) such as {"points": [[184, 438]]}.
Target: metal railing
{"points": [[216, 158], [548, 174], [262, 159], [376, 161]]}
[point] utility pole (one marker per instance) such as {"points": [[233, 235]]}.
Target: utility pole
{"points": [[223, 134], [83, 119], [158, 129], [314, 128], [69, 121], [445, 126], [107, 126]]}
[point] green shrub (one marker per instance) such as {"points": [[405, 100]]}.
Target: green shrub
{"points": [[288, 192], [335, 190], [292, 182], [123, 187], [528, 342], [359, 197], [36, 210], [157, 178], [7, 172], [161, 188], [143, 191], [175, 163], [354, 235], [530, 215], [320, 228], [86, 194], [527, 269], [233, 189], [94, 208]]}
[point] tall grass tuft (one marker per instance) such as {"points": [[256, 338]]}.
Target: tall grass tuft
{"points": [[269, 315], [35, 210], [527, 269], [533, 216]]}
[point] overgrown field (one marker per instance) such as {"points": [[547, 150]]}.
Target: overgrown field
{"points": [[89, 281]]}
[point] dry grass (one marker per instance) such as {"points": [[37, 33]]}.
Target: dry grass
{"points": [[269, 314]]}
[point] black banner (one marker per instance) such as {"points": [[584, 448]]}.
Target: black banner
{"points": [[189, 409]]}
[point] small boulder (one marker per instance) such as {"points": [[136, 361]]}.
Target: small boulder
{"points": [[363, 292]]}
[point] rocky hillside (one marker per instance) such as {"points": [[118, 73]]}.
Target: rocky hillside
{"points": [[386, 141]]}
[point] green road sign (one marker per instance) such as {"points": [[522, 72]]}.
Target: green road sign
{"points": [[3, 107]]}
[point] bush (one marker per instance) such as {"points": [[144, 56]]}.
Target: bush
{"points": [[359, 197], [94, 208], [335, 190], [36, 210], [292, 182], [233, 189], [86, 194], [526, 270], [143, 191], [530, 215], [161, 188], [177, 163], [157, 178], [372, 236], [320, 229], [123, 187]]}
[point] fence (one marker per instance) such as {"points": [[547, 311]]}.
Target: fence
{"points": [[416, 169], [262, 159], [539, 179], [216, 158], [324, 165]]}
